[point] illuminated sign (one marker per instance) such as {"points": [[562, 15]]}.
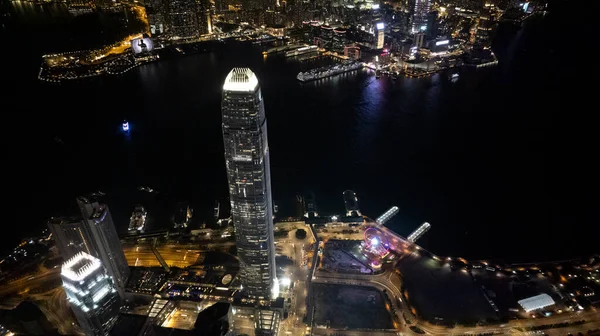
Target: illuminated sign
{"points": [[375, 6], [380, 26], [443, 42], [141, 45]]}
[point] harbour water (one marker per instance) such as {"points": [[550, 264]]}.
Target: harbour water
{"points": [[475, 157]]}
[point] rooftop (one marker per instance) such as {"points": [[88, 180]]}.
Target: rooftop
{"points": [[80, 266], [536, 302], [241, 80]]}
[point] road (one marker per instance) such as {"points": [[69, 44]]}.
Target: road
{"points": [[175, 255], [298, 273]]}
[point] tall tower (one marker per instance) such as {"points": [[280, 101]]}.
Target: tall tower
{"points": [[105, 241], [93, 233], [247, 161], [90, 293]]}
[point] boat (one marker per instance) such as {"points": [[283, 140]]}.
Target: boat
{"points": [[302, 51], [137, 222], [377, 74], [125, 126], [454, 77], [328, 71]]}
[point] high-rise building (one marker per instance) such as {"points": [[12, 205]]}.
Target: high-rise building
{"points": [[419, 17], [106, 243], [247, 161], [91, 294], [71, 236], [93, 233], [379, 35], [183, 19], [155, 10]]}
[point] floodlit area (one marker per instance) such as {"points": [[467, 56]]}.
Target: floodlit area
{"points": [[181, 318]]}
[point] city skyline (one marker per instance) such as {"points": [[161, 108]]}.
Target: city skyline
{"points": [[383, 118]]}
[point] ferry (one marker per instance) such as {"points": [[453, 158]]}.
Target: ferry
{"points": [[137, 222], [329, 71], [302, 51], [125, 126]]}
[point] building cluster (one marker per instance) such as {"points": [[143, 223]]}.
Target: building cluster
{"points": [[95, 274]]}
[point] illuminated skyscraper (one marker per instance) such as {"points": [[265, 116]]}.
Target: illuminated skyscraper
{"points": [[380, 35], [247, 161], [91, 294], [419, 17], [94, 233]]}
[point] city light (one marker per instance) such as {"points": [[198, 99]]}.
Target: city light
{"points": [[380, 26], [286, 282], [443, 42], [125, 126]]}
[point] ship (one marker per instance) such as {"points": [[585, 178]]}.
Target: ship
{"points": [[327, 71], [137, 222], [302, 51]]}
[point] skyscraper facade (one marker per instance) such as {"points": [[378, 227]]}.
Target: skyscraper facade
{"points": [[105, 241], [93, 233], [419, 17], [91, 294], [70, 235], [248, 173]]}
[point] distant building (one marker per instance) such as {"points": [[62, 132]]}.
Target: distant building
{"points": [[380, 35], [155, 10], [90, 293], [187, 19], [249, 177], [419, 16], [433, 25], [419, 40], [310, 205], [351, 203], [352, 52]]}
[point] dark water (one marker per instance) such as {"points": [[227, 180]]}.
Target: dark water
{"points": [[497, 162]]}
